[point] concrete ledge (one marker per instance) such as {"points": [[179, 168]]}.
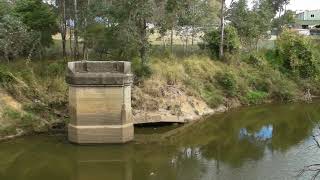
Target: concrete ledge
{"points": [[122, 67], [99, 79], [101, 134], [99, 73]]}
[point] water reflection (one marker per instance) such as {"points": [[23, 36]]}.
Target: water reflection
{"points": [[263, 134], [266, 142], [244, 135]]}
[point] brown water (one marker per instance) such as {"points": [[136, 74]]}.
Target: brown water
{"points": [[257, 143]]}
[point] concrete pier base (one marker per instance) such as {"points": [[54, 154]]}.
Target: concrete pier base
{"points": [[100, 102], [100, 134]]}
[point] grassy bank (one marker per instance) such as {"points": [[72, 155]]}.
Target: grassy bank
{"points": [[246, 82], [40, 88]]}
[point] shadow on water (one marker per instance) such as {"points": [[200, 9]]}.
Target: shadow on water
{"points": [[265, 142]]}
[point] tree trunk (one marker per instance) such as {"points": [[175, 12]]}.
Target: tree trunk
{"points": [[171, 40], [187, 41], [63, 28], [76, 43], [85, 46], [143, 39], [164, 43], [6, 54], [221, 51], [257, 44], [70, 41]]}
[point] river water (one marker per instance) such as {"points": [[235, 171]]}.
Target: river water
{"points": [[269, 142]]}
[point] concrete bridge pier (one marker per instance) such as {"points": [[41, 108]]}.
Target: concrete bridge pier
{"points": [[100, 102]]}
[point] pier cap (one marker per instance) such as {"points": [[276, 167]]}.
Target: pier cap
{"points": [[106, 73]]}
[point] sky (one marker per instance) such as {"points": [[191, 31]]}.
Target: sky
{"points": [[298, 4]]}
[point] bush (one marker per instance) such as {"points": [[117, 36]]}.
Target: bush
{"points": [[141, 70], [228, 82], [212, 41], [256, 97], [296, 53], [6, 77], [212, 97], [283, 89], [256, 60], [55, 69]]}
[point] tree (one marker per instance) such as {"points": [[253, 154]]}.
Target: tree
{"points": [[75, 31], [171, 18], [277, 5], [38, 16], [221, 50], [239, 16], [14, 37], [251, 24], [284, 21], [62, 7], [193, 17], [296, 52], [212, 41], [262, 16]]}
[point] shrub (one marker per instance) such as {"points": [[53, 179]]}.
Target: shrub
{"points": [[256, 60], [212, 96], [283, 89], [256, 97], [296, 53], [261, 84], [212, 41], [55, 69], [141, 70], [6, 77], [228, 82]]}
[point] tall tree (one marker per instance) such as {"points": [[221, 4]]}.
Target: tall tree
{"points": [[63, 24], [75, 32], [221, 52], [38, 16], [253, 24]]}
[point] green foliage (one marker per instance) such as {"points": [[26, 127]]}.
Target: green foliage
{"points": [[296, 53], [39, 17], [5, 8], [252, 24], [283, 89], [212, 96], [228, 82], [256, 97], [108, 43], [56, 69], [14, 37], [256, 60], [11, 114], [25, 121], [212, 41], [285, 20], [6, 77], [141, 70]]}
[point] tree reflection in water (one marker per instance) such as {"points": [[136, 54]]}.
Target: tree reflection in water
{"points": [[247, 135], [217, 147]]}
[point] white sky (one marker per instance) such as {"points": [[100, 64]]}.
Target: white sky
{"points": [[298, 4]]}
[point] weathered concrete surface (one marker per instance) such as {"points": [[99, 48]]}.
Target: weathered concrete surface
{"points": [[99, 73], [100, 102]]}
